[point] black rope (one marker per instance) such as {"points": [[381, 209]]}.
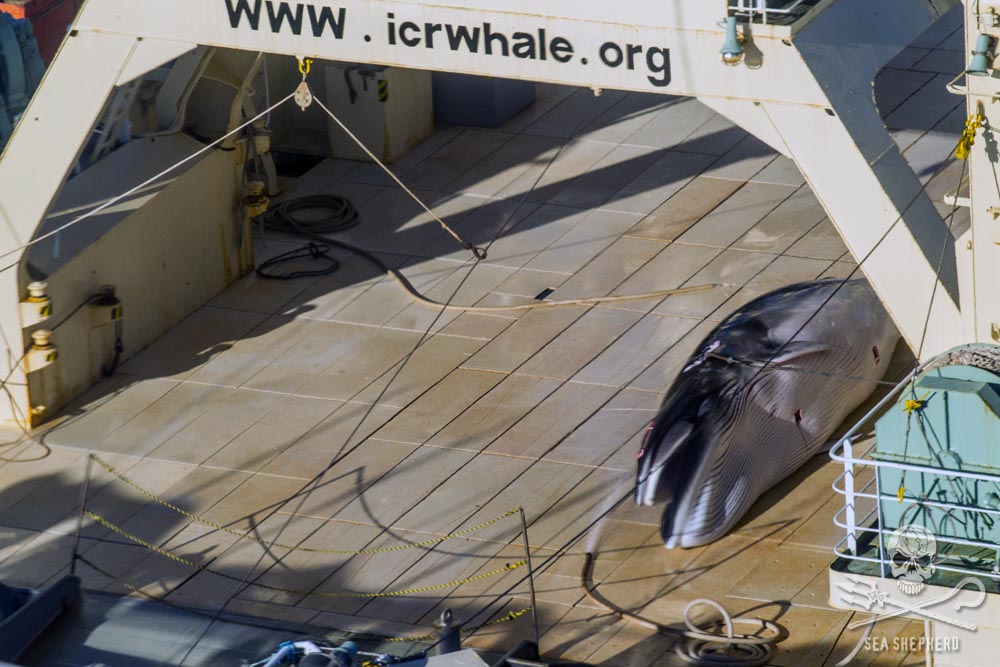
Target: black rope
{"points": [[109, 369], [315, 251], [340, 216]]}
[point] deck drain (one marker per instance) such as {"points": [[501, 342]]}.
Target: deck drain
{"points": [[544, 294]]}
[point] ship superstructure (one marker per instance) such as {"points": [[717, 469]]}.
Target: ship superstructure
{"points": [[441, 421]]}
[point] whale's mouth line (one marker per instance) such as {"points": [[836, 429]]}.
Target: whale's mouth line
{"points": [[675, 516], [684, 475], [667, 522], [649, 475]]}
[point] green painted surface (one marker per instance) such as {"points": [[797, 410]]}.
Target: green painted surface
{"points": [[956, 427]]}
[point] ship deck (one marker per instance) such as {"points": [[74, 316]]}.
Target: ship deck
{"points": [[238, 407]]}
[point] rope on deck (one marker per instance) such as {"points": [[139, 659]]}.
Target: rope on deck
{"points": [[294, 591], [132, 588], [277, 545]]}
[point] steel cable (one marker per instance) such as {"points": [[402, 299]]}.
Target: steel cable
{"points": [[311, 484], [343, 216], [550, 560], [277, 545]]}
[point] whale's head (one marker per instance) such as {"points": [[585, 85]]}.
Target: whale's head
{"points": [[731, 425], [680, 447], [702, 456]]}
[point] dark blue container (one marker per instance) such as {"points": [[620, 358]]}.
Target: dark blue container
{"points": [[480, 101]]}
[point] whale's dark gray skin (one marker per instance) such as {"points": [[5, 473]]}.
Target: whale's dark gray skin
{"points": [[728, 431]]}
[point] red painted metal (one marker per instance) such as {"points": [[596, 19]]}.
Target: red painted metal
{"points": [[50, 19]]}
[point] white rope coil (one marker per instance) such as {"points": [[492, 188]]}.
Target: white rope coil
{"points": [[697, 646], [708, 649]]}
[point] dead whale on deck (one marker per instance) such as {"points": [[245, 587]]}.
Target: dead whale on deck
{"points": [[728, 431]]}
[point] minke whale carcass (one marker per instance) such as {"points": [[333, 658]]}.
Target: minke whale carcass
{"points": [[728, 431]]}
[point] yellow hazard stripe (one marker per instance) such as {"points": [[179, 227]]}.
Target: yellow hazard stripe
{"points": [[512, 616], [277, 545], [294, 591]]}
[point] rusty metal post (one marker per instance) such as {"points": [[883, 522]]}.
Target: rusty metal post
{"points": [[531, 578], [84, 490]]}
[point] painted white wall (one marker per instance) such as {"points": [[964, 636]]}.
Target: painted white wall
{"points": [[168, 252]]}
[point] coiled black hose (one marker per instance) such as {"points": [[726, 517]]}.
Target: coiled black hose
{"points": [[339, 215], [314, 250], [343, 216]]}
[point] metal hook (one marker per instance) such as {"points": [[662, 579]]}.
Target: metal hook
{"points": [[978, 585], [305, 66]]}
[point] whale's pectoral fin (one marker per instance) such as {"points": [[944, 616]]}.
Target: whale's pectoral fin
{"points": [[658, 473], [779, 396], [799, 348]]}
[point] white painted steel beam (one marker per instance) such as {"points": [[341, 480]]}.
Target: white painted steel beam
{"points": [[886, 220], [864, 182], [34, 165], [752, 117], [984, 187], [826, 60], [856, 169], [40, 155], [659, 47]]}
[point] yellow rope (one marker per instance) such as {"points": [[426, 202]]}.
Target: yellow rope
{"points": [[132, 588], [911, 404], [512, 616], [968, 137], [135, 589], [506, 618], [294, 591], [421, 638], [277, 545]]}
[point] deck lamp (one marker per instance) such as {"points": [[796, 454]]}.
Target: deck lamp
{"points": [[979, 64], [732, 50]]}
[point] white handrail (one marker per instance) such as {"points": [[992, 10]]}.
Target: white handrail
{"points": [[943, 568], [762, 8], [911, 467], [872, 523]]}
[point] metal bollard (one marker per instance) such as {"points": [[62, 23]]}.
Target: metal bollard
{"points": [[448, 633]]}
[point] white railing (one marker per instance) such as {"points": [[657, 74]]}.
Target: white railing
{"points": [[762, 8], [862, 466]]}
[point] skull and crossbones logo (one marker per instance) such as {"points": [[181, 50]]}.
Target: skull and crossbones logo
{"points": [[912, 555], [912, 550]]}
